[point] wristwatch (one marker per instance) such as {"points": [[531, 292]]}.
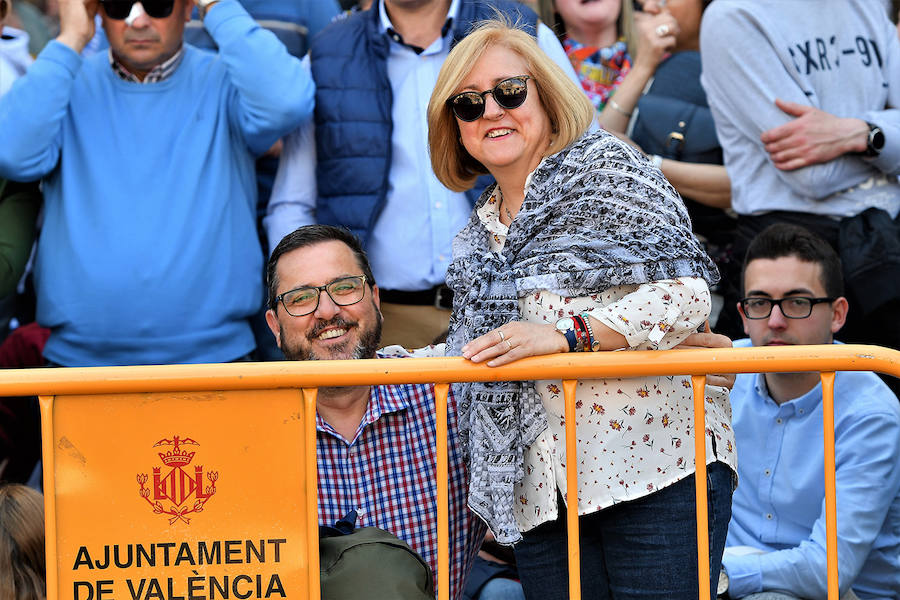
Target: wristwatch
{"points": [[722, 587], [203, 6], [875, 141], [566, 326]]}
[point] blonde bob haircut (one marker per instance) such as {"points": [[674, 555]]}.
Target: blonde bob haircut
{"points": [[568, 108]]}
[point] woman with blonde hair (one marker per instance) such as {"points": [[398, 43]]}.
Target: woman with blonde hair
{"points": [[22, 563], [582, 245]]}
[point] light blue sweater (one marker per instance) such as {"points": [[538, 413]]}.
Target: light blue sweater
{"points": [[149, 252]]}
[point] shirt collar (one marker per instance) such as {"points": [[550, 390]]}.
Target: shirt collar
{"points": [[160, 72], [803, 404], [387, 27], [383, 400]]}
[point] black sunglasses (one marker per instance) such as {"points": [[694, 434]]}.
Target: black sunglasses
{"points": [[509, 93], [120, 9]]}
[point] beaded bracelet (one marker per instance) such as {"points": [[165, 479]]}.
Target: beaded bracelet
{"points": [[594, 345]]}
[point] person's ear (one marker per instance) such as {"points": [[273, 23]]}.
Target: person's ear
{"points": [[274, 327], [375, 297], [743, 318], [4, 9], [839, 310]]}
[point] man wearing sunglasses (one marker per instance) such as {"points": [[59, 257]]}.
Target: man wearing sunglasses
{"points": [[364, 164], [793, 294], [149, 252]]}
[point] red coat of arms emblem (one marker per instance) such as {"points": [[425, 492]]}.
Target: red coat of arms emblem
{"points": [[177, 485]]}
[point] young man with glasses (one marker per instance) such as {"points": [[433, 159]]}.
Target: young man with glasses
{"points": [[793, 294], [149, 252]]}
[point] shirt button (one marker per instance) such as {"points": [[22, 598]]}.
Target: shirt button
{"points": [[778, 421], [441, 257], [768, 472], [800, 411], [769, 516], [437, 205]]}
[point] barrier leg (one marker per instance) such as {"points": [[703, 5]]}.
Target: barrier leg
{"points": [[699, 384], [830, 484], [572, 491], [443, 488]]}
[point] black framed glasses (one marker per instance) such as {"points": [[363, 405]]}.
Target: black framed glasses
{"points": [[120, 9], [792, 307], [509, 93], [343, 292]]}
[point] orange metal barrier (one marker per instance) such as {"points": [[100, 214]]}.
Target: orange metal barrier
{"points": [[308, 376]]}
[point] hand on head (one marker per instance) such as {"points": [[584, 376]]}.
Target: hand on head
{"points": [[76, 22]]}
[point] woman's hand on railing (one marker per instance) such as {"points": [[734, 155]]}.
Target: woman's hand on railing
{"points": [[515, 340], [708, 339]]}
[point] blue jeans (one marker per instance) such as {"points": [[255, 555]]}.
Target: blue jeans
{"points": [[643, 549], [501, 589]]}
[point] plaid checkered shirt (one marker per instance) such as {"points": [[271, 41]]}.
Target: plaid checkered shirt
{"points": [[388, 472]]}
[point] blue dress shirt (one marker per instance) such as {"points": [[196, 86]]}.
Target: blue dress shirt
{"points": [[410, 245], [779, 505]]}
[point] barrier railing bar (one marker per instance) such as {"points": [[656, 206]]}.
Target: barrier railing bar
{"points": [[573, 537], [308, 376], [309, 396], [441, 390], [698, 382], [299, 374], [51, 559], [830, 484]]}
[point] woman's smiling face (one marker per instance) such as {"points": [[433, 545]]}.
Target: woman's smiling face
{"points": [[505, 140]]}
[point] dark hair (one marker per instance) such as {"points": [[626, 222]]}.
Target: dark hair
{"points": [[22, 561], [309, 235], [783, 239]]}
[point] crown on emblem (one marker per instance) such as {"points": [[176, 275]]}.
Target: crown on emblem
{"points": [[176, 458]]}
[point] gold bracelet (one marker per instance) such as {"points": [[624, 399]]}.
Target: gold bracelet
{"points": [[615, 106]]}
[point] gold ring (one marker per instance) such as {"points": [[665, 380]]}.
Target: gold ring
{"points": [[502, 337], [508, 345], [662, 30]]}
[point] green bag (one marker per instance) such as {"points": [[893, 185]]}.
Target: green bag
{"points": [[370, 563]]}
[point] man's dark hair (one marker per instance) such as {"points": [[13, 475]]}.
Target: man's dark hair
{"points": [[309, 235], [783, 239]]}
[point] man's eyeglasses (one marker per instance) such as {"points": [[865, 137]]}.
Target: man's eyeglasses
{"points": [[343, 292], [793, 307], [120, 9], [509, 93]]}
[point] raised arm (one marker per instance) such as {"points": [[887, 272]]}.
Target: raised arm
{"points": [[32, 112], [651, 48], [272, 92]]}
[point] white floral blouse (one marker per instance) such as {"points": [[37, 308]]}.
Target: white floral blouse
{"points": [[634, 435]]}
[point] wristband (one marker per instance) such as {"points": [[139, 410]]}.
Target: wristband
{"points": [[594, 342], [582, 332]]}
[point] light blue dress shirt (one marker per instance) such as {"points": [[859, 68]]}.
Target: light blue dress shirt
{"points": [[779, 505], [410, 245]]}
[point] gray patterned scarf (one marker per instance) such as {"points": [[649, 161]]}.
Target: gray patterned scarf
{"points": [[595, 215]]}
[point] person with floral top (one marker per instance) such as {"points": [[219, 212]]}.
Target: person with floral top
{"points": [[582, 244]]}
